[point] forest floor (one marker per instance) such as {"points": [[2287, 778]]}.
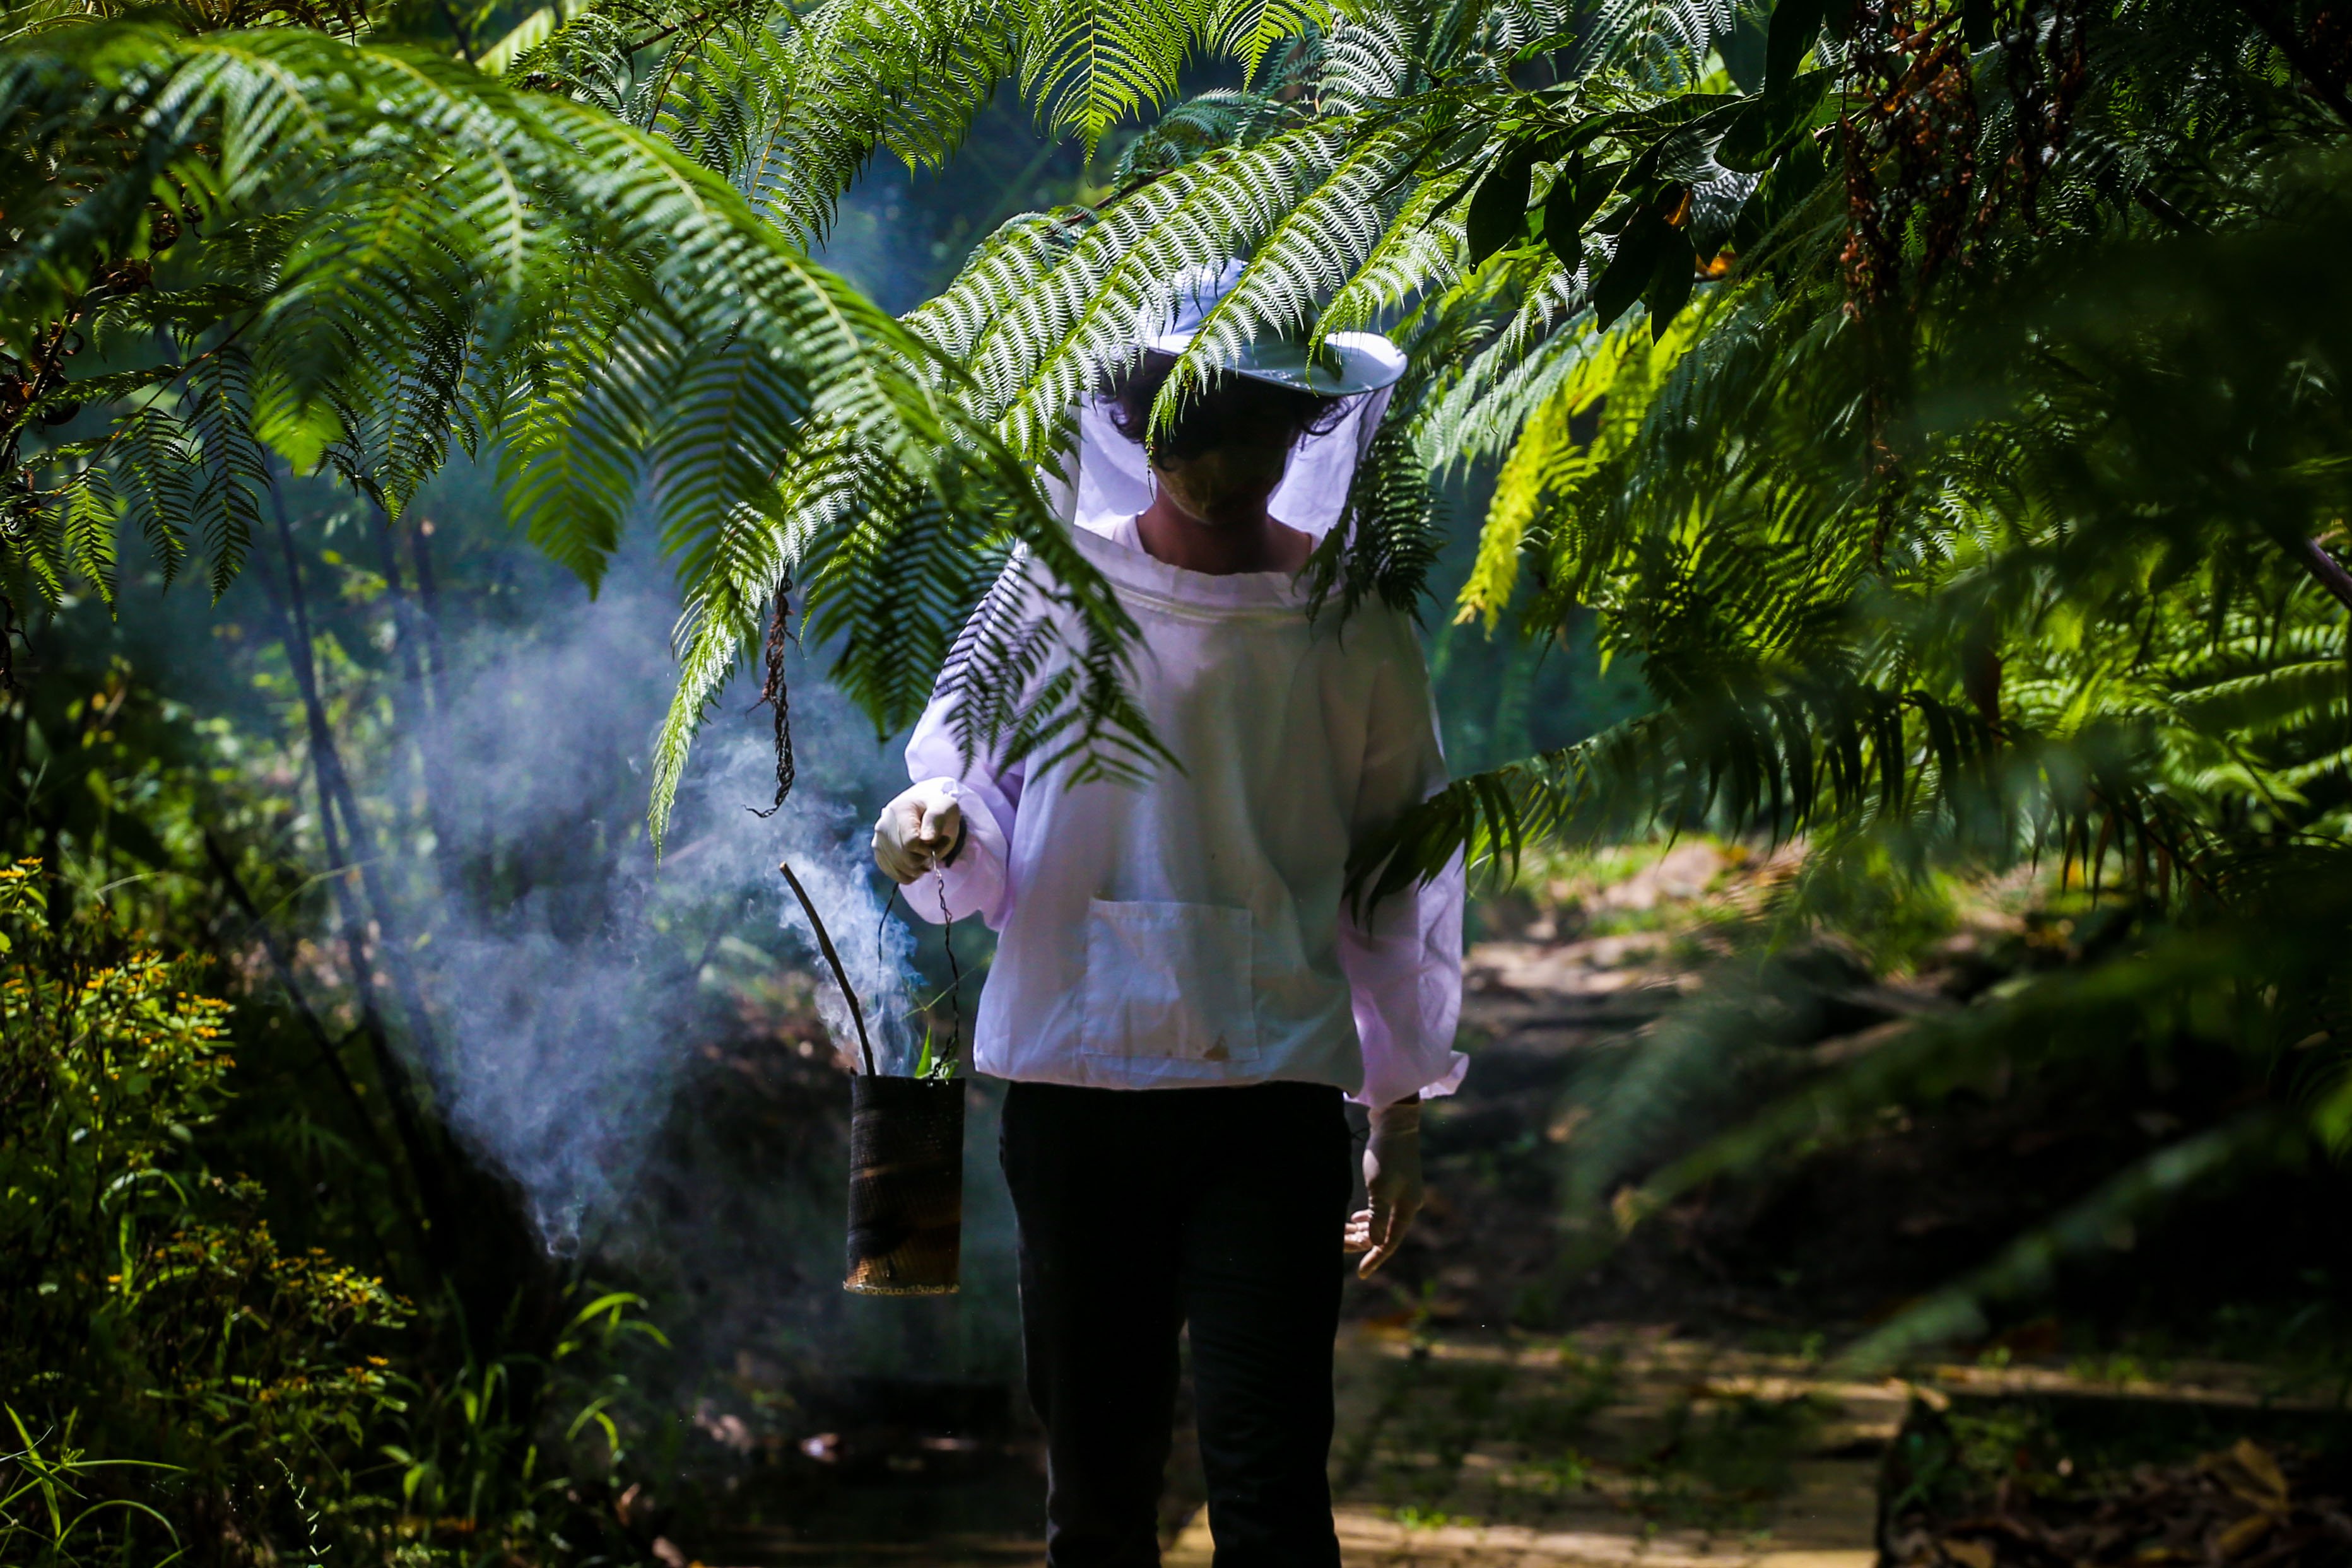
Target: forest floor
{"points": [[1673, 1407]]}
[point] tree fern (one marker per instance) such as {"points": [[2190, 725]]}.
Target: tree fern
{"points": [[1088, 62], [380, 249]]}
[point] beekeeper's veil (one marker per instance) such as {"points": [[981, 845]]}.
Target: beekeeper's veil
{"points": [[1105, 478]]}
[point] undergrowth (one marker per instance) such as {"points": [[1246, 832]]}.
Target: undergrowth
{"points": [[179, 1386]]}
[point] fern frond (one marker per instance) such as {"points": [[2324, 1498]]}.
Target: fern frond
{"points": [[1782, 757], [1245, 30], [226, 501], [1089, 63], [1660, 44]]}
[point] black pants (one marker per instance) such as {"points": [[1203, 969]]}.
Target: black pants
{"points": [[1141, 1211]]}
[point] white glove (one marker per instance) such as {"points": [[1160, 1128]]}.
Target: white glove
{"points": [[921, 828], [1391, 1185]]}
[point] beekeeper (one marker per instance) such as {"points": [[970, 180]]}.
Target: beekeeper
{"points": [[1181, 995]]}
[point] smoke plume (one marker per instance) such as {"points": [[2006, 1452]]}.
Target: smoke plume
{"points": [[570, 970]]}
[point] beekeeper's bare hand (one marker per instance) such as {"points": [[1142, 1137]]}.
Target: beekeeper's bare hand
{"points": [[1391, 1185], [921, 827]]}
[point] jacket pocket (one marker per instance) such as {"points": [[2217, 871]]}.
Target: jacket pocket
{"points": [[1169, 982]]}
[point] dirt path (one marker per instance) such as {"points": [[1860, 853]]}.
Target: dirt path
{"points": [[1596, 1450], [1606, 1449]]}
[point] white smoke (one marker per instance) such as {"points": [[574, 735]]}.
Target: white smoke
{"points": [[569, 968]]}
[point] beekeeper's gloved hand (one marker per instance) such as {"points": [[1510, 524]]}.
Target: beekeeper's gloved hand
{"points": [[1391, 1185], [922, 827]]}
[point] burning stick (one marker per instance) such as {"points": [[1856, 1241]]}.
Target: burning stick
{"points": [[833, 961]]}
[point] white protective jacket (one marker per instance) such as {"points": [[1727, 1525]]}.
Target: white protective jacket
{"points": [[1193, 930]]}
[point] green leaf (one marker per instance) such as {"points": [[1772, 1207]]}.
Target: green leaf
{"points": [[1245, 29], [1797, 175], [1795, 25], [1089, 63], [1646, 237], [1670, 284], [1688, 109], [1498, 210], [1575, 196], [1762, 130]]}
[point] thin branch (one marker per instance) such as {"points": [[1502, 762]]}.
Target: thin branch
{"points": [[833, 959], [2328, 571], [682, 24], [335, 779], [428, 600], [408, 1119], [410, 703], [2169, 216]]}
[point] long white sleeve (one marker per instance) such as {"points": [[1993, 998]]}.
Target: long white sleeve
{"points": [[1404, 960], [979, 882], [1406, 976]]}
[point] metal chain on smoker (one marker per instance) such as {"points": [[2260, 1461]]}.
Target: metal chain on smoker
{"points": [[955, 972], [947, 941]]}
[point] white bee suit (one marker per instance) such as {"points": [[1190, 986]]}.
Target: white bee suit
{"points": [[1192, 929]]}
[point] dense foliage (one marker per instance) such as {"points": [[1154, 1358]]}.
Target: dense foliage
{"points": [[150, 1310], [1940, 401], [249, 240]]}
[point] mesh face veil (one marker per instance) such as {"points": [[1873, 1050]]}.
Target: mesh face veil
{"points": [[1102, 478]]}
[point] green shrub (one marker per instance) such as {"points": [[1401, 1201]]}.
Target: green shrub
{"points": [[175, 1382]]}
